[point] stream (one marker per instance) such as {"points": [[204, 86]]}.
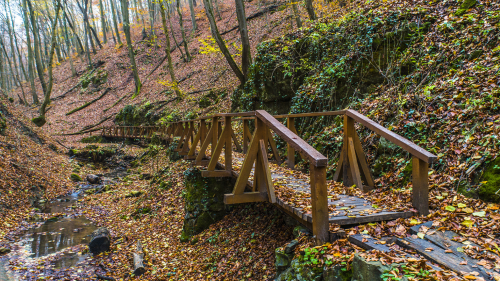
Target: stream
{"points": [[56, 247]]}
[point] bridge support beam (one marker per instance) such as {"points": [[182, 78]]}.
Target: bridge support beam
{"points": [[246, 197]]}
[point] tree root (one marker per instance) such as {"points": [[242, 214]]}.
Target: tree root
{"points": [[89, 103]]}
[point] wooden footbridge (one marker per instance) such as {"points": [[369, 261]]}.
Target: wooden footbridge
{"points": [[252, 158]]}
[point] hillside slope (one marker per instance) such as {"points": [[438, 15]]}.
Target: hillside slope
{"points": [[427, 71], [207, 71], [33, 167]]}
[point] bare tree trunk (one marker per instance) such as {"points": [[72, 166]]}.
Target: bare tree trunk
{"points": [[126, 30], [173, 35], [70, 55], [217, 11], [75, 34], [152, 18], [37, 47], [188, 55], [115, 23], [20, 57], [193, 17], [220, 41], [246, 57], [296, 15], [103, 23], [118, 12], [13, 54], [40, 121], [175, 85], [310, 10], [14, 78], [30, 54]]}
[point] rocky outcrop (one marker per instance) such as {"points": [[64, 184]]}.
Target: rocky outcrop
{"points": [[204, 202]]}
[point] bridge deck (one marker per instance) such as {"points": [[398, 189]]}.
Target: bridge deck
{"points": [[294, 196]]}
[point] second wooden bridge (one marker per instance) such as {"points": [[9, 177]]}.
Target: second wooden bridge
{"points": [[212, 142]]}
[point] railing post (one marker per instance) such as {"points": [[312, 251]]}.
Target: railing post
{"points": [[290, 123], [349, 132], [228, 152], [319, 202], [215, 135], [245, 136], [203, 131], [420, 196]]}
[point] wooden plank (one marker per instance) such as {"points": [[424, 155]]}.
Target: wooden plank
{"points": [[368, 243], [349, 131], [216, 174], [185, 147], [404, 143], [293, 215], [204, 146], [237, 114], [356, 177], [214, 158], [246, 136], [382, 216], [235, 141], [197, 139], [319, 202], [311, 114], [362, 162], [248, 163], [228, 151], [246, 197], [183, 131], [290, 161], [444, 239], [420, 181], [339, 166], [438, 255], [215, 133], [272, 143], [316, 158], [266, 173]]}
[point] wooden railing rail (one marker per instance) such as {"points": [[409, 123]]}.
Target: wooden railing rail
{"points": [[195, 136]]}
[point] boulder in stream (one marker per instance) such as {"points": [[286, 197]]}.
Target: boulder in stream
{"points": [[93, 179]]}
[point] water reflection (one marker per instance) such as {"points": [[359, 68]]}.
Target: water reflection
{"points": [[55, 236]]}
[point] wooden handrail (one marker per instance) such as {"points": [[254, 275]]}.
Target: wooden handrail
{"points": [[316, 158], [402, 142], [311, 114]]}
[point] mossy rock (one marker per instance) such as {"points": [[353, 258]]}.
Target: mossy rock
{"points": [[75, 177], [282, 260], [145, 114], [464, 6], [97, 78], [39, 121], [204, 201], [491, 176], [213, 97], [92, 139], [94, 153]]}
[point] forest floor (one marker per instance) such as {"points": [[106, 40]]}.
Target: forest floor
{"points": [[242, 245]]}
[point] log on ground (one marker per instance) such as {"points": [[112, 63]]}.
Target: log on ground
{"points": [[100, 241]]}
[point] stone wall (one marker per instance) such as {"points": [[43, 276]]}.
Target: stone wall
{"points": [[204, 201]]}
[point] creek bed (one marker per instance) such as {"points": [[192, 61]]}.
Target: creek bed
{"points": [[56, 247]]}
